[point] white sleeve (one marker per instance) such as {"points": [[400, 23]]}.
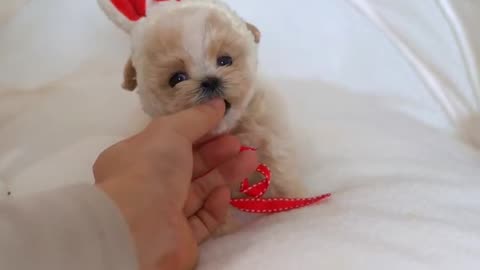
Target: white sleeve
{"points": [[77, 227]]}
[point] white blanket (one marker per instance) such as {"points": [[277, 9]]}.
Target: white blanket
{"points": [[405, 194]]}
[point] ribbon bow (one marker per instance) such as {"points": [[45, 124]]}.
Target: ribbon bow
{"points": [[257, 204]]}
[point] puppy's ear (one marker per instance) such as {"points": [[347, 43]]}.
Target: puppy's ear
{"points": [[256, 33], [129, 76]]}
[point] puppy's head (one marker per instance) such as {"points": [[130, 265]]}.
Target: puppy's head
{"points": [[187, 54]]}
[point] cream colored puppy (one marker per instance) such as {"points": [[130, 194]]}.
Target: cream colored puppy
{"points": [[186, 54]]}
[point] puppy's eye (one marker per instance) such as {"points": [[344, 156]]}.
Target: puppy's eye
{"points": [[177, 78], [224, 61]]}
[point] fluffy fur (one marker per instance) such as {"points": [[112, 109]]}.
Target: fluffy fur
{"points": [[189, 38]]}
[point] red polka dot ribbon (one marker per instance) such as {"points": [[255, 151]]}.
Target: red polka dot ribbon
{"points": [[255, 203]]}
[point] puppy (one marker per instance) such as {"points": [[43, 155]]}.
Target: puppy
{"points": [[190, 52]]}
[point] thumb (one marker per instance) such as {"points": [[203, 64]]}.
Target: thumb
{"points": [[196, 122]]}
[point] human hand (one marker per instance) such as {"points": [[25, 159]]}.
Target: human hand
{"points": [[149, 177]]}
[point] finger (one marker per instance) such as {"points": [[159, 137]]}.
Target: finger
{"points": [[231, 173], [214, 153], [212, 215], [196, 122], [205, 140], [237, 169]]}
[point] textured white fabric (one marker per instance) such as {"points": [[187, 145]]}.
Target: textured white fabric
{"points": [[44, 232], [405, 194], [405, 197]]}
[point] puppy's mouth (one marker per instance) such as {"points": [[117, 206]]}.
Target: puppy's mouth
{"points": [[227, 106]]}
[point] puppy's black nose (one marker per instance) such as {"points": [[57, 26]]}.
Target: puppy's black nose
{"points": [[210, 84]]}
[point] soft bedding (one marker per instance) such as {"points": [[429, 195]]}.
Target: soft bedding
{"points": [[375, 89]]}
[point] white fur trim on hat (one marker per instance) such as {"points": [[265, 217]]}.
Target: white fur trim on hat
{"points": [[116, 16]]}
